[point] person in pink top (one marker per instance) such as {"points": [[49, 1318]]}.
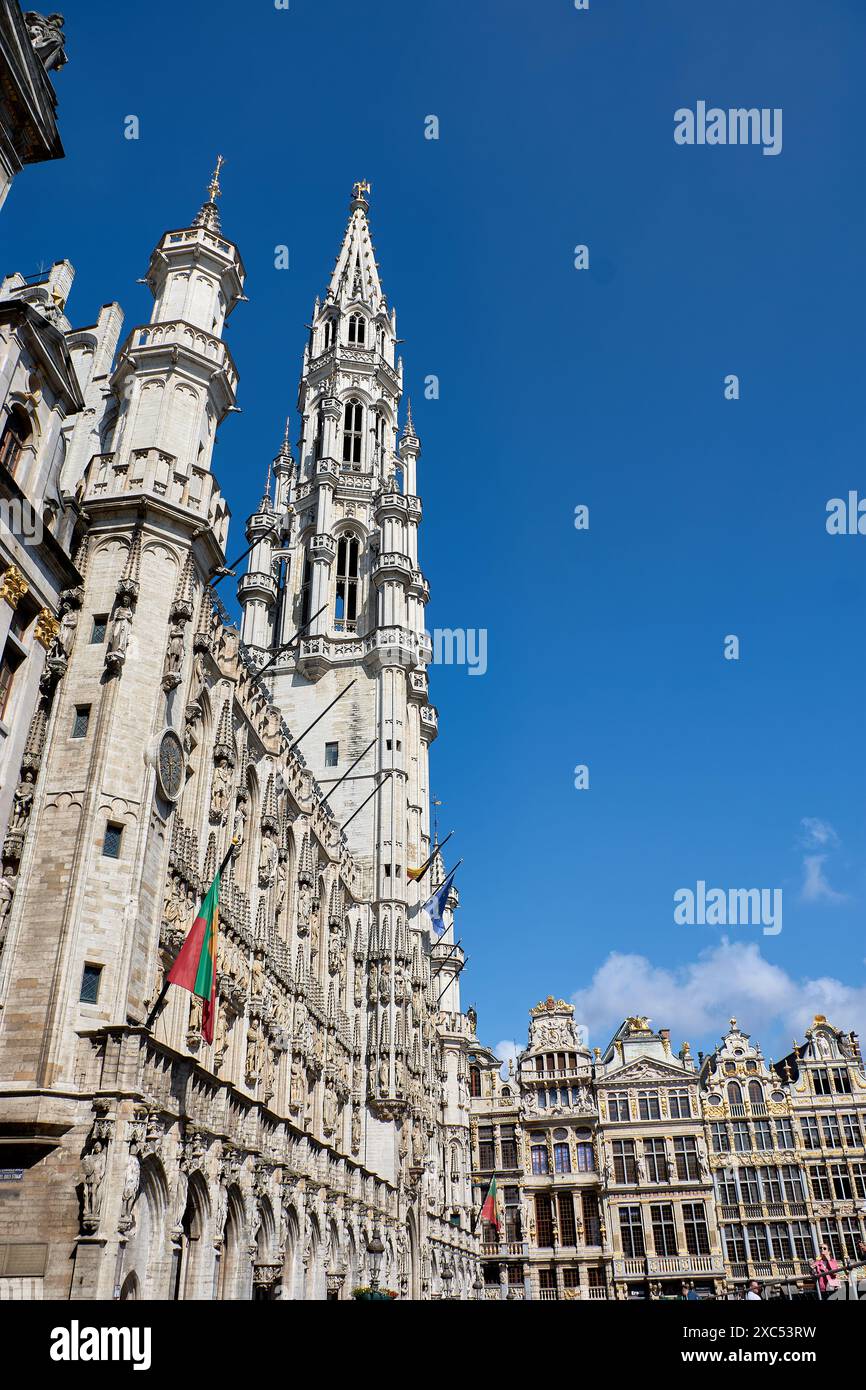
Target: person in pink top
{"points": [[825, 1269]]}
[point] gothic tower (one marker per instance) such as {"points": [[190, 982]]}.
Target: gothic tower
{"points": [[335, 558], [105, 757]]}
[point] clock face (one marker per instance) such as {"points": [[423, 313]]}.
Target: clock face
{"points": [[170, 765]]}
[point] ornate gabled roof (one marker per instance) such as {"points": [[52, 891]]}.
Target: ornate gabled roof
{"points": [[356, 275]]}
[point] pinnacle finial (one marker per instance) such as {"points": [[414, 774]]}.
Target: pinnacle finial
{"points": [[208, 216], [214, 190], [360, 190]]}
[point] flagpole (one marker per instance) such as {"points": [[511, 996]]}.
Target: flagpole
{"points": [[348, 770], [160, 998], [366, 799], [457, 972], [322, 715], [440, 885], [454, 948], [429, 860], [285, 646]]}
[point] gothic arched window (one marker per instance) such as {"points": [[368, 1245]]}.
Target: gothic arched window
{"points": [[306, 590], [330, 333], [353, 433], [357, 329], [346, 601], [317, 442], [380, 434], [16, 436]]}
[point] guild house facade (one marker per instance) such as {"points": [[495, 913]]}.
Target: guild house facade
{"points": [[640, 1171]]}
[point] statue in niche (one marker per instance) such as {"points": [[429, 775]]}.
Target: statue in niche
{"points": [[257, 977], [356, 1130], [65, 639], [298, 1087], [221, 787], [385, 982], [267, 861], [239, 825], [131, 1180], [329, 1110], [335, 951], [372, 983], [93, 1165], [305, 905], [359, 984], [22, 803], [221, 1034], [121, 629], [174, 653], [252, 1070]]}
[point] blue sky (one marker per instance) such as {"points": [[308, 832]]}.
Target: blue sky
{"points": [[560, 387]]}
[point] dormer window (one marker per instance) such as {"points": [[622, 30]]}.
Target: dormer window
{"points": [[357, 330], [353, 433]]}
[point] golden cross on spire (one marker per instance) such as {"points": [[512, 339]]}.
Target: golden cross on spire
{"points": [[360, 189], [214, 189]]}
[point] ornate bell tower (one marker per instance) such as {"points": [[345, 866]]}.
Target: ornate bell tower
{"points": [[106, 745], [335, 554]]}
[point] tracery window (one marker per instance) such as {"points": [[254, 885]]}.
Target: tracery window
{"points": [[357, 329], [353, 433], [346, 598]]}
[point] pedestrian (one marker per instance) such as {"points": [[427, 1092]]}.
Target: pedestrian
{"points": [[826, 1271], [754, 1293]]}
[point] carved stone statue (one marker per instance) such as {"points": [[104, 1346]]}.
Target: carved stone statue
{"points": [[356, 1130], [257, 977], [121, 629], [23, 802], [385, 982], [68, 627], [130, 1186], [329, 1110], [252, 1068], [298, 1088], [173, 665], [305, 905], [221, 785], [47, 38], [93, 1166], [7, 893], [267, 862]]}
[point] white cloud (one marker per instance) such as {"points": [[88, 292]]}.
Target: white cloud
{"points": [[816, 887], [818, 835], [817, 832], [695, 1000]]}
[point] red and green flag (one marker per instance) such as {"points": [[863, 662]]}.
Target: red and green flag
{"points": [[488, 1211], [195, 967]]}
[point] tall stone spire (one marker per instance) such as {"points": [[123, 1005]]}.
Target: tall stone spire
{"points": [[356, 274]]}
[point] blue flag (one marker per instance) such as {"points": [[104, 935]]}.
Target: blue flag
{"points": [[435, 905]]}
